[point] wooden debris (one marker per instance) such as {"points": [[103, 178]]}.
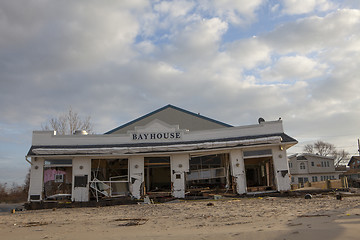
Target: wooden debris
{"points": [[35, 224], [294, 224], [315, 215], [125, 222]]}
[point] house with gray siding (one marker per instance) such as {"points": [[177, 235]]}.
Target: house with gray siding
{"points": [[306, 167]]}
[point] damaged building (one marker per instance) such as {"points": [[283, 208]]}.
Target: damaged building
{"points": [[170, 150]]}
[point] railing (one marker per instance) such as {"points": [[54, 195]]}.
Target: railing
{"points": [[112, 188]]}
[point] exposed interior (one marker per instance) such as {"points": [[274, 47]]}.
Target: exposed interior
{"points": [[109, 177], [209, 172], [259, 174], [57, 179], [157, 174]]}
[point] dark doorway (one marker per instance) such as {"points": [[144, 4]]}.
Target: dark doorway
{"points": [[157, 174], [259, 174]]}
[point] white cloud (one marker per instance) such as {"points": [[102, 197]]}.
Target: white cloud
{"points": [[174, 8], [145, 47], [306, 6], [249, 53], [315, 33], [240, 12], [65, 35], [294, 68], [199, 41]]}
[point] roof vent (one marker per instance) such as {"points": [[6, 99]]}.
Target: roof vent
{"points": [[80, 132], [261, 120]]}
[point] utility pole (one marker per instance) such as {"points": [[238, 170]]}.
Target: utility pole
{"points": [[359, 146]]}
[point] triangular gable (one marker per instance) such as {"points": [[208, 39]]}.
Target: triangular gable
{"points": [[173, 116], [353, 159], [156, 126]]}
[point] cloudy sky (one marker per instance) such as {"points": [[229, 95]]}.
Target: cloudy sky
{"points": [[231, 60]]}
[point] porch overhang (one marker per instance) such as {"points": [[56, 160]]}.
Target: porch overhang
{"points": [[146, 148]]}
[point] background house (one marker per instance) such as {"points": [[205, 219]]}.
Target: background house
{"points": [[308, 167], [353, 173], [354, 162]]}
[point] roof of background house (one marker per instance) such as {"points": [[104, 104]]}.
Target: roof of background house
{"points": [[302, 156], [353, 158]]}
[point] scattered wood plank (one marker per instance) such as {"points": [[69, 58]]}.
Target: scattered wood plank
{"points": [[315, 215], [126, 222]]}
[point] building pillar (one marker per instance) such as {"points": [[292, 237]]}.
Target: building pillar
{"points": [[81, 175], [36, 180], [238, 170], [281, 169], [179, 165], [136, 173]]}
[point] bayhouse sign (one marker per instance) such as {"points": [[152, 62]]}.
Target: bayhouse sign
{"points": [[156, 136]]}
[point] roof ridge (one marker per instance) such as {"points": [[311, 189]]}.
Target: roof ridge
{"points": [[163, 108]]}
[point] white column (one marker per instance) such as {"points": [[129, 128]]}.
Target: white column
{"points": [[136, 172], [238, 170], [36, 179], [281, 169], [81, 168], [179, 165]]}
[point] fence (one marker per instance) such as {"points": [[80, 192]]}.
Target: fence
{"points": [[328, 184]]}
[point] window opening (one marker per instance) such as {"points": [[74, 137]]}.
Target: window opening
{"points": [[57, 179], [109, 178], [302, 165], [81, 181], [209, 172]]}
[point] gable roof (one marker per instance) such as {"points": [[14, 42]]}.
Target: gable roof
{"points": [[201, 121], [353, 158], [305, 156]]}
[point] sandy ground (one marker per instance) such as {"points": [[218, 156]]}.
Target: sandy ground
{"points": [[322, 217]]}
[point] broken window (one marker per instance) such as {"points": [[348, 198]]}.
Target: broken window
{"points": [[109, 178], [57, 179], [209, 171]]}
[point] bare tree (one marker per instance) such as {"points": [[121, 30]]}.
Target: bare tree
{"points": [[327, 149], [324, 148], [68, 123], [341, 157], [309, 148]]}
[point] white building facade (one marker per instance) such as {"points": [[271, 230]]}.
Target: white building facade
{"points": [[170, 149], [308, 167]]}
